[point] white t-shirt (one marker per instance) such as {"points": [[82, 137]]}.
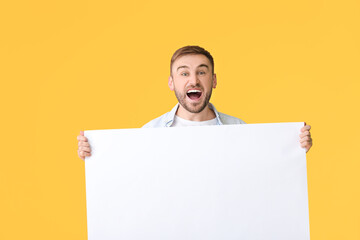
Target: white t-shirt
{"points": [[180, 122]]}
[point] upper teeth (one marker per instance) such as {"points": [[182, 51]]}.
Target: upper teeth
{"points": [[193, 91]]}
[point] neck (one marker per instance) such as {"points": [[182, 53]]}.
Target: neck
{"points": [[204, 115]]}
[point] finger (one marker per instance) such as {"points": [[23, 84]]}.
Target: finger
{"points": [[305, 128], [305, 139], [82, 133], [307, 146], [306, 133], [85, 144], [82, 138], [85, 149], [81, 155]]}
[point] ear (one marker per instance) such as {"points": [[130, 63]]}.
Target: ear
{"points": [[171, 83], [214, 80]]}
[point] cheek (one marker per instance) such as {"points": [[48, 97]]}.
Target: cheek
{"points": [[179, 84], [208, 83]]}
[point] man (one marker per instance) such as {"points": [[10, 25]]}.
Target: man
{"points": [[192, 78]]}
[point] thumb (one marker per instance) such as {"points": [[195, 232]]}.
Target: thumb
{"points": [[82, 133]]}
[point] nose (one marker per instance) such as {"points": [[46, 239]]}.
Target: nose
{"points": [[193, 80]]}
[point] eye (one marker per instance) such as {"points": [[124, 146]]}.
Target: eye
{"points": [[202, 73], [184, 74]]}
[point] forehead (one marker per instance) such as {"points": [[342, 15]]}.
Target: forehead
{"points": [[191, 60]]}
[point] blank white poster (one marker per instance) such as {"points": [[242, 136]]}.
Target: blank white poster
{"points": [[211, 183]]}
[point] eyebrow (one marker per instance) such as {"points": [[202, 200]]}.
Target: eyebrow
{"points": [[201, 65], [181, 67]]}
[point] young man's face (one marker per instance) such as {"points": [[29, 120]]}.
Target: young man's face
{"points": [[192, 80]]}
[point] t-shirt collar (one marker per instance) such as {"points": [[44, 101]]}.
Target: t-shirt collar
{"points": [[171, 115]]}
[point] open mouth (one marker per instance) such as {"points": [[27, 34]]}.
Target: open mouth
{"points": [[194, 94]]}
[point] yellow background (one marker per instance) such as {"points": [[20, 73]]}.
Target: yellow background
{"points": [[72, 65]]}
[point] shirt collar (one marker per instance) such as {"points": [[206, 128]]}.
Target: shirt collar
{"points": [[169, 120]]}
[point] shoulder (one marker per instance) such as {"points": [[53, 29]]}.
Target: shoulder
{"points": [[227, 119], [157, 122], [224, 118], [164, 120]]}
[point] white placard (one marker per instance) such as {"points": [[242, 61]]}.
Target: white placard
{"points": [[225, 182]]}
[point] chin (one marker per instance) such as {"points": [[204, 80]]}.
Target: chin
{"points": [[199, 107]]}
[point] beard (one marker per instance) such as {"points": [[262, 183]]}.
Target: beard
{"points": [[193, 107]]}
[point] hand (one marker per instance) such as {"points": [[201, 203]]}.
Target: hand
{"points": [[84, 149], [305, 137]]}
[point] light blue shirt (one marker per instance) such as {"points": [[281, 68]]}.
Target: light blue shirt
{"points": [[167, 119]]}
